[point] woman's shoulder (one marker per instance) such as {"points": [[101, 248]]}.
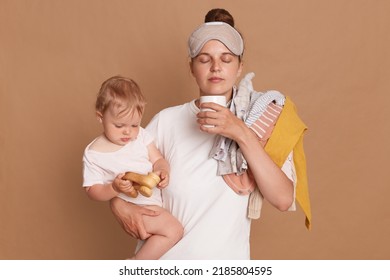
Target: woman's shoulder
{"points": [[176, 107], [173, 111]]}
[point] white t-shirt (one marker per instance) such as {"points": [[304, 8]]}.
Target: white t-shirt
{"points": [[213, 215], [102, 167]]}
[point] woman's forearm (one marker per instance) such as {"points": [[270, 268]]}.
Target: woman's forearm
{"points": [[274, 185]]}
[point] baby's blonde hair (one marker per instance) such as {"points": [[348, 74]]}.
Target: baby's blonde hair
{"points": [[120, 94]]}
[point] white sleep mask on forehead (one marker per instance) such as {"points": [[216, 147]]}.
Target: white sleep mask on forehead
{"points": [[217, 30]]}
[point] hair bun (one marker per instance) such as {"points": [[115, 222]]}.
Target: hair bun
{"points": [[219, 14]]}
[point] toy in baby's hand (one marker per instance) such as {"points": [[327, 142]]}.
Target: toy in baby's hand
{"points": [[142, 183]]}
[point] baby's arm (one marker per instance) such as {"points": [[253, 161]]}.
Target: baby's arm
{"points": [[160, 165], [105, 192], [101, 192]]}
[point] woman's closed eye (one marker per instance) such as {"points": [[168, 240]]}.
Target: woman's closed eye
{"points": [[227, 58], [204, 58]]}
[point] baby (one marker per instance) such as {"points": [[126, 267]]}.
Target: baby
{"points": [[125, 146]]}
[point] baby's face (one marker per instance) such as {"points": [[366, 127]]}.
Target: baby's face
{"points": [[123, 128]]}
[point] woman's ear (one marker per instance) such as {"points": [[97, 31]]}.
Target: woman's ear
{"points": [[99, 116], [240, 68], [190, 65]]}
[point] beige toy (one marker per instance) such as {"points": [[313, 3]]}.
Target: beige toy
{"points": [[142, 183]]}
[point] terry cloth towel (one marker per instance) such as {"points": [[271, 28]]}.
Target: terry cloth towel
{"points": [[286, 137]]}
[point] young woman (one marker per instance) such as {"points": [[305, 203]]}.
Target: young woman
{"points": [[214, 214]]}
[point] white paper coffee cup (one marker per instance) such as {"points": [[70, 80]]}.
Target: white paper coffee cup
{"points": [[218, 99]]}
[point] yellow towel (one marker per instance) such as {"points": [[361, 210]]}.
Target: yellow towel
{"points": [[287, 136]]}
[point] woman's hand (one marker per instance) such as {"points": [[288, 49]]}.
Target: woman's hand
{"points": [[221, 120], [130, 218]]}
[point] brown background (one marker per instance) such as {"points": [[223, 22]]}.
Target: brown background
{"points": [[331, 57]]}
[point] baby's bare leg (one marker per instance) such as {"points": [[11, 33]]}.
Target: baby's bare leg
{"points": [[166, 231]]}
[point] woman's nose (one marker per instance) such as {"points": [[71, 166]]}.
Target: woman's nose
{"points": [[215, 67]]}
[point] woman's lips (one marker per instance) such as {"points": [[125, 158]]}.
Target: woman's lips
{"points": [[215, 79]]}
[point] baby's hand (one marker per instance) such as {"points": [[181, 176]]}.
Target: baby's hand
{"points": [[164, 176], [122, 186]]}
